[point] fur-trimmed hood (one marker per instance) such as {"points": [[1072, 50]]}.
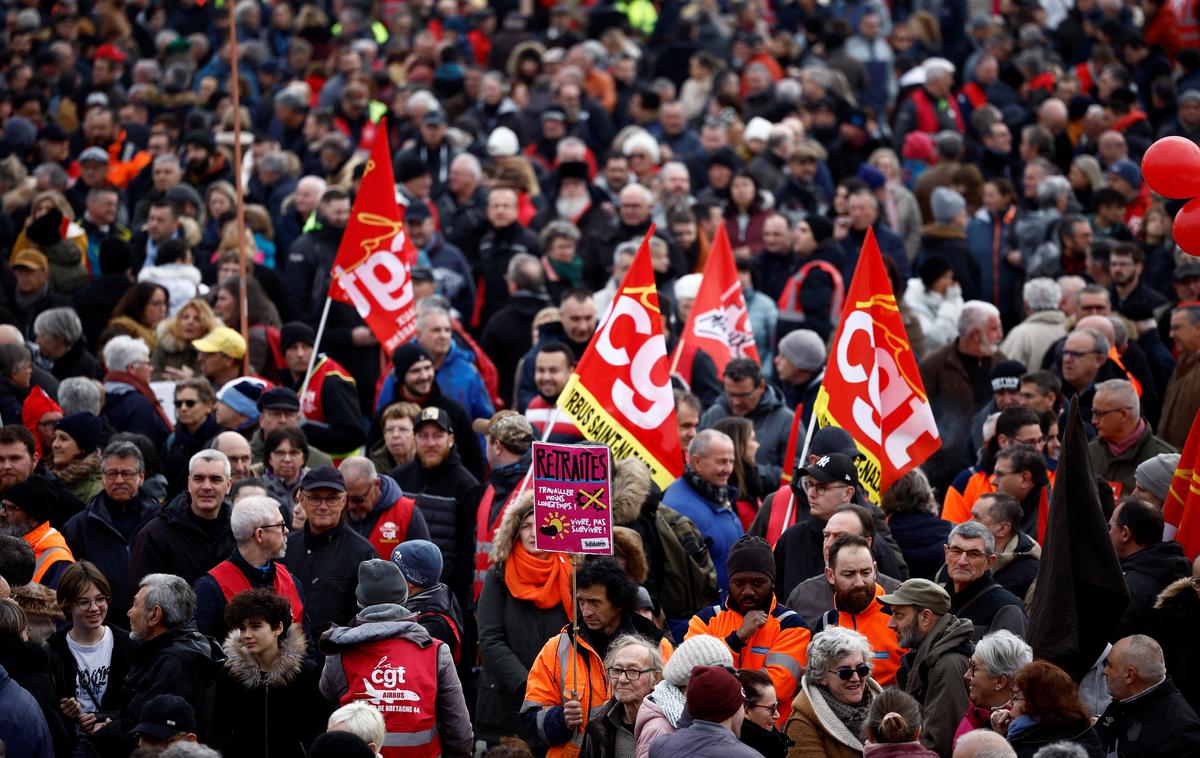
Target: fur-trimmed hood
{"points": [[244, 669], [79, 469], [631, 485], [510, 526], [1173, 592], [126, 325], [167, 339], [628, 544], [829, 720]]}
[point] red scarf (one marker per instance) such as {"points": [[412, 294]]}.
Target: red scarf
{"points": [[144, 389]]}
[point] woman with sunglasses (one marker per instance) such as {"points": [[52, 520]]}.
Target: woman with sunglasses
{"points": [[762, 708], [285, 461], [829, 714], [89, 658], [195, 425]]}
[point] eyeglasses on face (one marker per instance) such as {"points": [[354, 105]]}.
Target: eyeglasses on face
{"points": [[632, 675], [113, 474], [330, 500], [957, 552], [1096, 413], [846, 674], [186, 403], [770, 707], [100, 601], [282, 527]]}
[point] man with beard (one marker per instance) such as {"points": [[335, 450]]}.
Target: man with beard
{"points": [[379, 510], [205, 164], [447, 494], [851, 571], [761, 633], [190, 534], [552, 368], [413, 379], [25, 516], [19, 461], [747, 394], [579, 203], [957, 378], [939, 649], [1125, 263], [103, 532], [261, 536]]}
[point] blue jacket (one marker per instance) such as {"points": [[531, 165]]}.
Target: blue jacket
{"points": [[22, 725], [988, 238], [128, 411], [718, 525], [457, 378]]}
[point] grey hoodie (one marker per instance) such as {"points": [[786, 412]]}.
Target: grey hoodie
{"points": [[395, 622]]}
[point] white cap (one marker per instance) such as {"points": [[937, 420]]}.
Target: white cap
{"points": [[687, 286], [758, 128], [502, 142]]}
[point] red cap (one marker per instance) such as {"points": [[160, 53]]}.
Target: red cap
{"points": [[111, 52]]}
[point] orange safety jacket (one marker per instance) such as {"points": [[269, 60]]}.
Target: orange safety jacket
{"points": [[49, 548], [230, 580], [956, 508], [563, 671], [780, 646], [871, 623]]}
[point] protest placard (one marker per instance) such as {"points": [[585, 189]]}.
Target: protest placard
{"points": [[571, 498]]}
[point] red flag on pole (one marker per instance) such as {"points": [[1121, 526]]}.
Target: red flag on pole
{"points": [[719, 323], [872, 388], [1181, 509], [371, 271], [620, 393]]}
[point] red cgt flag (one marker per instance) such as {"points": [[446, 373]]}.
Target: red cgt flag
{"points": [[719, 323], [872, 388], [620, 393], [1181, 509], [371, 271]]}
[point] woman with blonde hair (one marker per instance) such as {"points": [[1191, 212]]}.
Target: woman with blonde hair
{"points": [[173, 357], [899, 205]]}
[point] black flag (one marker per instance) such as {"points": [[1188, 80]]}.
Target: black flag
{"points": [[1081, 591]]}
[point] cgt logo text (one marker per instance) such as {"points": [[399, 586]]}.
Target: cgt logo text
{"points": [[387, 675]]}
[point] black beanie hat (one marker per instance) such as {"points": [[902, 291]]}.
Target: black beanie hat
{"points": [[84, 428], [751, 554], [46, 229], [116, 257], [932, 269], [34, 496], [293, 332], [822, 228], [406, 355]]}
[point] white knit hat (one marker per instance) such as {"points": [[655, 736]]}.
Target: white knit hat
{"points": [[701, 650], [688, 286]]}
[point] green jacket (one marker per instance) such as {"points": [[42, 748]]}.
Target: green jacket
{"points": [[1119, 470]]}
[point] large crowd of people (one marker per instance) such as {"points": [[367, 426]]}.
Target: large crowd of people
{"points": [[231, 523]]}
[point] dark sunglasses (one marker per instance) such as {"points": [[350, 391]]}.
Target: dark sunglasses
{"points": [[186, 403], [847, 673]]}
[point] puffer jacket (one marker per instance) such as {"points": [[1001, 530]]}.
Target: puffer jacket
{"points": [[772, 424], [511, 634], [460, 381], [275, 713], [326, 566], [393, 622]]}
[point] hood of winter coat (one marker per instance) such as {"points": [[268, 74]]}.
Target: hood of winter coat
{"points": [[373, 623], [631, 485], [510, 526], [1163, 560], [1178, 593], [389, 493], [244, 669], [949, 634], [629, 546]]}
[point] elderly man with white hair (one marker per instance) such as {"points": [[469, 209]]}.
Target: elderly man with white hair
{"points": [[260, 531], [1148, 715], [957, 381], [1029, 340], [1124, 438], [130, 405], [931, 108]]}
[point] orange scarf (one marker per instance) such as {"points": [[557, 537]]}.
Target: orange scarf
{"points": [[545, 578]]}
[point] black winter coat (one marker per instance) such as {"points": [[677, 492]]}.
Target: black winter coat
{"points": [[1157, 723], [1148, 572], [95, 303], [325, 566], [181, 446], [176, 542], [64, 670], [466, 441], [272, 714], [496, 249], [77, 361], [179, 662], [439, 612], [508, 336], [921, 537], [447, 496], [29, 666], [1173, 623], [93, 536]]}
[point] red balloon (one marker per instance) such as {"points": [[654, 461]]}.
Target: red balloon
{"points": [[1172, 168], [1187, 227]]}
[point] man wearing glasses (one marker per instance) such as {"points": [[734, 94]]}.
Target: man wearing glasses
{"points": [[25, 513], [379, 509], [974, 594], [939, 649], [1123, 438], [191, 534], [261, 536], [325, 554], [1083, 354], [634, 667], [1020, 471]]}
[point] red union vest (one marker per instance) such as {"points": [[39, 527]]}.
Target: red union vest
{"points": [[399, 679], [310, 404], [392, 526], [231, 580], [485, 533]]}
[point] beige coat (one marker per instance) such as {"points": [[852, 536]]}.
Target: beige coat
{"points": [[816, 730]]}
